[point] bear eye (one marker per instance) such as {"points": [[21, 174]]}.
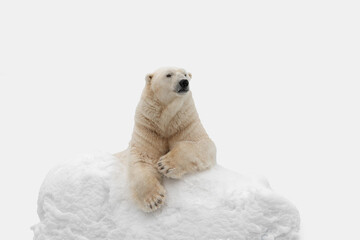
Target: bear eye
{"points": [[169, 75], [185, 74]]}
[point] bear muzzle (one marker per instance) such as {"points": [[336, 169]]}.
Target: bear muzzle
{"points": [[183, 86]]}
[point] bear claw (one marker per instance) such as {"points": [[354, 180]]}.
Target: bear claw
{"points": [[154, 201]]}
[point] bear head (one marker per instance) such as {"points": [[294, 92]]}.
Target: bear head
{"points": [[169, 83]]}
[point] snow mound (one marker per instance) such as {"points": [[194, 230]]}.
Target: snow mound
{"points": [[88, 199]]}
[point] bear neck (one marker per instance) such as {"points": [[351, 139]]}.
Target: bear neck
{"points": [[166, 119]]}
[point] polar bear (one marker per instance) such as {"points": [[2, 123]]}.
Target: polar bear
{"points": [[168, 138]]}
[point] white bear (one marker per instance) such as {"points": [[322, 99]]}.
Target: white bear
{"points": [[168, 138]]}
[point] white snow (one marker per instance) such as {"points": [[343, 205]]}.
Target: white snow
{"points": [[87, 199]]}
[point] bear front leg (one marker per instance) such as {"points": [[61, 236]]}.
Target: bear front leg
{"points": [[187, 157], [145, 186]]}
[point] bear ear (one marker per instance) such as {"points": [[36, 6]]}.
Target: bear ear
{"points": [[190, 75], [148, 77]]}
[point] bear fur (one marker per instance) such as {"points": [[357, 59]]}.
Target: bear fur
{"points": [[168, 138]]}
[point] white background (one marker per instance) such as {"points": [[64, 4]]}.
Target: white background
{"points": [[276, 84]]}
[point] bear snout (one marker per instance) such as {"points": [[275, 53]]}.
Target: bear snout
{"points": [[184, 83], [183, 86]]}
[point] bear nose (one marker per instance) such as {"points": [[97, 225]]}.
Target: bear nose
{"points": [[184, 83]]}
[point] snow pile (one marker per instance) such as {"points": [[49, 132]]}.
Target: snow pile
{"points": [[88, 199]]}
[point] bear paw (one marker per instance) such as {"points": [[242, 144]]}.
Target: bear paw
{"points": [[154, 200], [167, 167]]}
